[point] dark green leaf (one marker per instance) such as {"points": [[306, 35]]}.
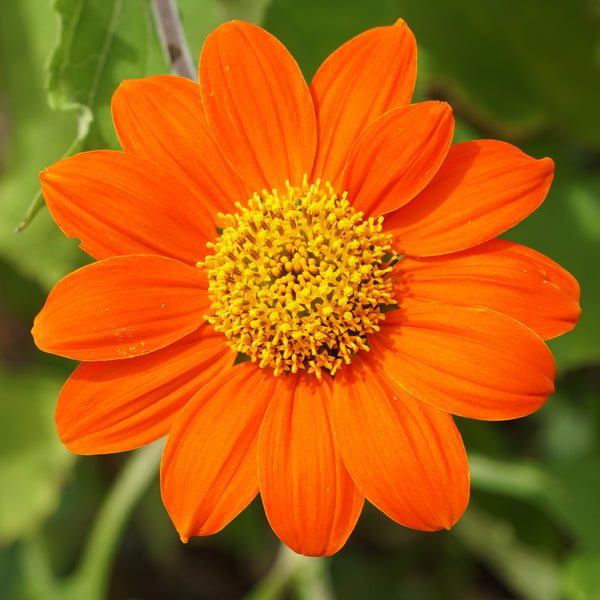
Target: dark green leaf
{"points": [[516, 65], [567, 229]]}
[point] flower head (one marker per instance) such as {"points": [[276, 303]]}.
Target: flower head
{"points": [[299, 286]]}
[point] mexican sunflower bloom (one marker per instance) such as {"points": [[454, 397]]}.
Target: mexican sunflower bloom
{"points": [[299, 286]]}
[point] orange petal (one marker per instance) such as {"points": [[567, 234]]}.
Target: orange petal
{"points": [[209, 467], [367, 76], [472, 362], [500, 275], [117, 203], [178, 139], [114, 406], [121, 307], [405, 456], [258, 106], [310, 500], [482, 189], [396, 157]]}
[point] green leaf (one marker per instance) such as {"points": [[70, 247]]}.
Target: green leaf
{"points": [[525, 481], [100, 43], [246, 10], [198, 20], [501, 64], [581, 577], [36, 137], [568, 492], [529, 572], [519, 66], [33, 462], [577, 504], [312, 29], [567, 426], [567, 229]]}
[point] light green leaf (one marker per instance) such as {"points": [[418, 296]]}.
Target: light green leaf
{"points": [[198, 20], [36, 137], [33, 462], [100, 43], [581, 577]]}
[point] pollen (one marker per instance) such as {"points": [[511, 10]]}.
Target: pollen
{"points": [[299, 280]]}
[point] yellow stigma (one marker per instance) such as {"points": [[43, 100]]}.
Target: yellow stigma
{"points": [[298, 280]]}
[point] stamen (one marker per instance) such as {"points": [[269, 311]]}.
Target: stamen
{"points": [[299, 280]]}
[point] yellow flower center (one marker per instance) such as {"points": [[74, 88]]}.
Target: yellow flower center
{"points": [[298, 280]]}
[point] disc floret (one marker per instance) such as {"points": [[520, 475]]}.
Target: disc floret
{"points": [[299, 280]]}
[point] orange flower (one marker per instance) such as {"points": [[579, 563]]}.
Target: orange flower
{"points": [[354, 266]]}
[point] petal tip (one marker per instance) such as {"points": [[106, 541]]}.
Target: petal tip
{"points": [[548, 165], [403, 25]]}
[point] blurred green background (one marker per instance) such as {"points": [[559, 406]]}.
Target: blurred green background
{"points": [[524, 71]]}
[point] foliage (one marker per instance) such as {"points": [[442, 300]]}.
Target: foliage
{"points": [[527, 72]]}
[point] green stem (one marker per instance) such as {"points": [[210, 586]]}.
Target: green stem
{"points": [[172, 38], [312, 581], [307, 575], [135, 477], [35, 564], [524, 481], [530, 572], [90, 580]]}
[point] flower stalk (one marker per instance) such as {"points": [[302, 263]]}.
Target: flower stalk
{"points": [[172, 38], [90, 579], [308, 576]]}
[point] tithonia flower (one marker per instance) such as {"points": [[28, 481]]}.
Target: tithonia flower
{"points": [[298, 286]]}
